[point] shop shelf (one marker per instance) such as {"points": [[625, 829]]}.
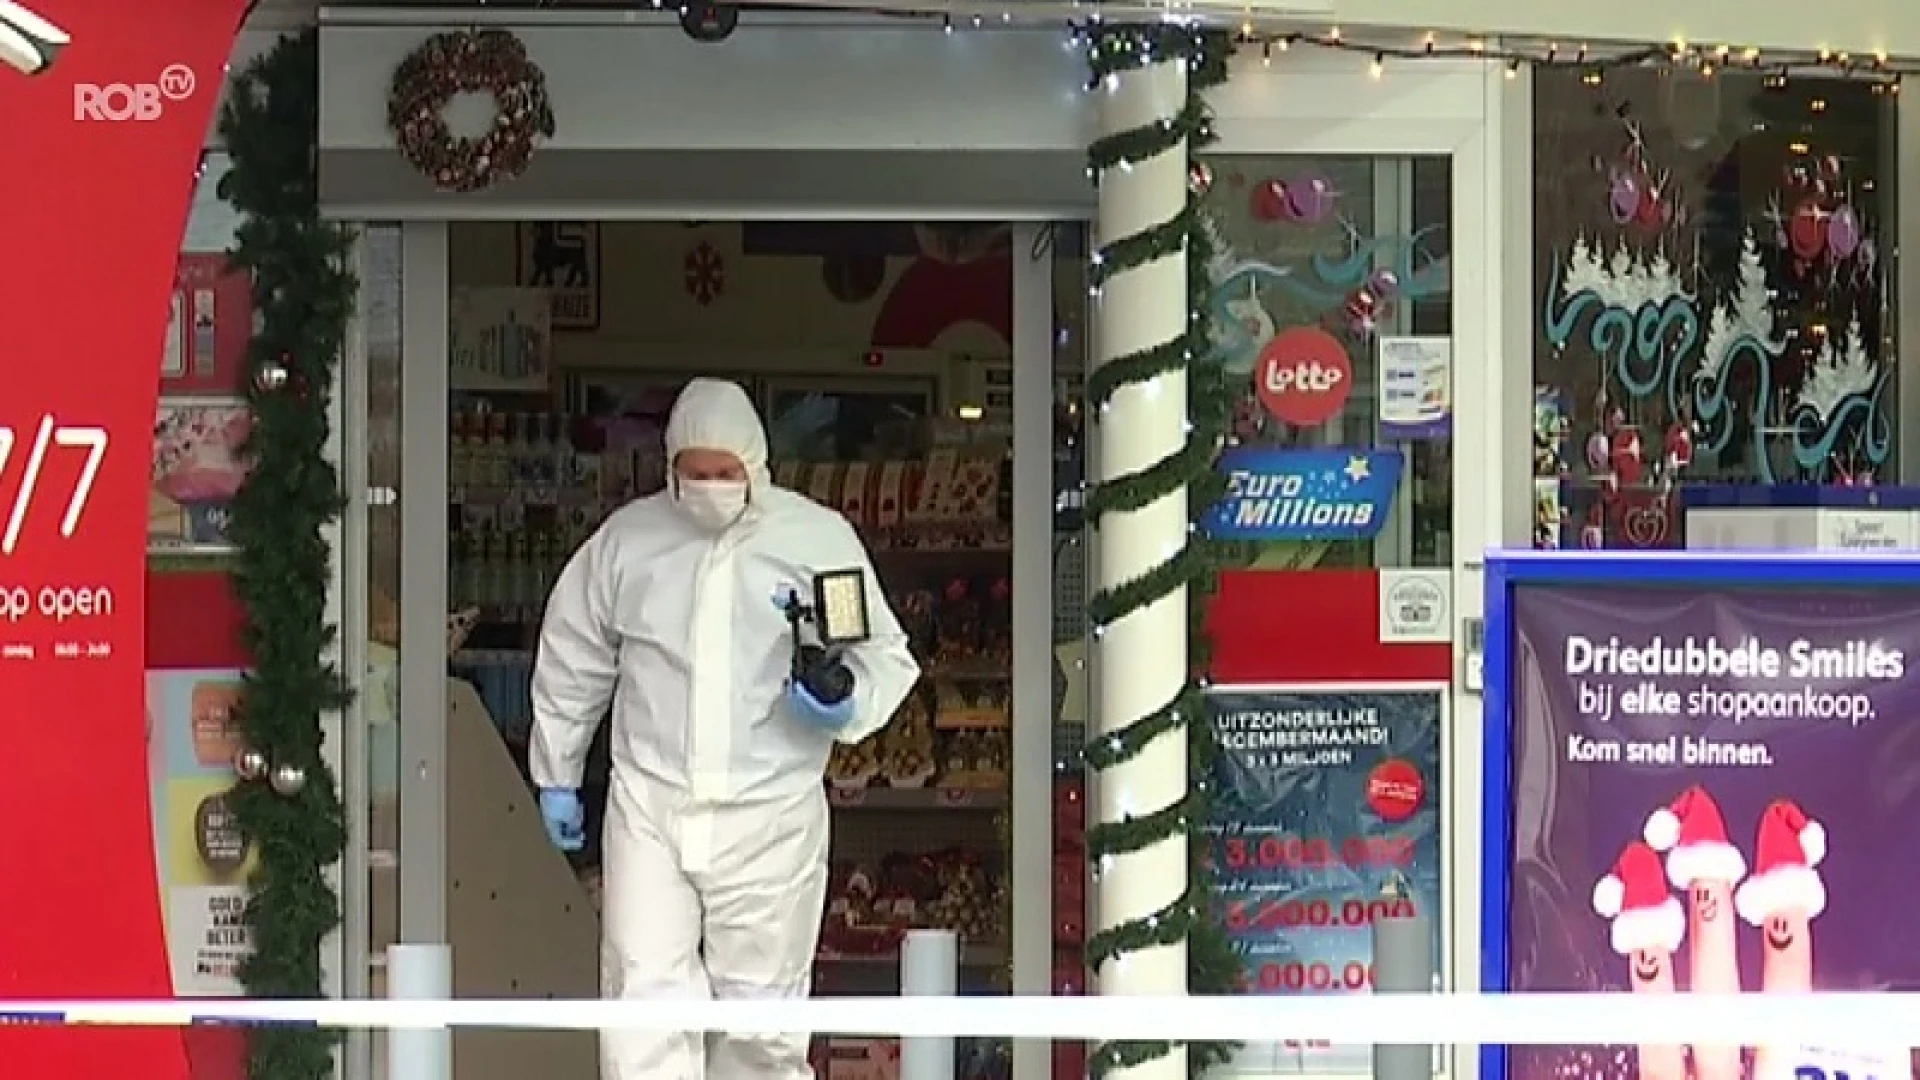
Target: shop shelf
{"points": [[928, 798], [972, 954]]}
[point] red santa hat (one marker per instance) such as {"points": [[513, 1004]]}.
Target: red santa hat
{"points": [[1646, 917], [1790, 846], [1694, 835]]}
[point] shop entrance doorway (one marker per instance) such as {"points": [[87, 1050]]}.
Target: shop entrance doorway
{"points": [[889, 361], [1411, 174]]}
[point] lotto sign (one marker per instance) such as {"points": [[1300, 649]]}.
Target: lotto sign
{"points": [[1304, 376]]}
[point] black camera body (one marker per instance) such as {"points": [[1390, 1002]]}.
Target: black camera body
{"points": [[815, 666]]}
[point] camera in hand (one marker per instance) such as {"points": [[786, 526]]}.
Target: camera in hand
{"points": [[838, 617]]}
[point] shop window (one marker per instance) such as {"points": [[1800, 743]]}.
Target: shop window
{"points": [[1331, 286], [1710, 297]]}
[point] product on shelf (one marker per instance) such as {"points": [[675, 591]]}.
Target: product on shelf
{"points": [[855, 766], [975, 759], [965, 903], [852, 926], [859, 1059], [973, 705], [869, 911], [906, 746]]}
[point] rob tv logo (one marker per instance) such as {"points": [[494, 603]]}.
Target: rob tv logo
{"points": [[138, 102]]}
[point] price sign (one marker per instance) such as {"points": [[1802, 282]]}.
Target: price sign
{"points": [[1327, 822]]}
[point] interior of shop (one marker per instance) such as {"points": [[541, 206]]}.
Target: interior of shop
{"points": [[879, 355]]}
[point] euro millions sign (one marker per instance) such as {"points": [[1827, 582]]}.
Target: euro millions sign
{"points": [[1321, 494]]}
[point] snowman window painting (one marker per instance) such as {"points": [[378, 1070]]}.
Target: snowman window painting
{"points": [[1711, 301], [1317, 265]]}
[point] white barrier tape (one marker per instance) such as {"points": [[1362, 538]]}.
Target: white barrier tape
{"points": [[1844, 1019]]}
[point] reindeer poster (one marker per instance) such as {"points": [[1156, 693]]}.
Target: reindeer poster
{"points": [[562, 257]]}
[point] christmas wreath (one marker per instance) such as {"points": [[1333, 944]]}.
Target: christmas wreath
{"points": [[490, 62]]}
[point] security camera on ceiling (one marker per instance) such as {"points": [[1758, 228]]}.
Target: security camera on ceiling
{"points": [[709, 22]]}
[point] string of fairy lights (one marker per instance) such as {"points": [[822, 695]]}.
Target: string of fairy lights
{"points": [[1705, 61], [1269, 42]]}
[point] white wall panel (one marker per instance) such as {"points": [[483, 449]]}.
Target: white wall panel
{"points": [[812, 88]]}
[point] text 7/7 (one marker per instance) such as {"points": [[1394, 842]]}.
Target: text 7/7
{"points": [[46, 436]]}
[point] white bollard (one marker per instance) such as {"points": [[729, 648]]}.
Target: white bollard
{"points": [[929, 967], [420, 973], [1403, 964]]}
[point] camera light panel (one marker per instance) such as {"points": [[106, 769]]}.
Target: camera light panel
{"points": [[840, 606]]}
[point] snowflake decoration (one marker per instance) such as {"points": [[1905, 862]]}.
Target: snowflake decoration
{"points": [[706, 274]]}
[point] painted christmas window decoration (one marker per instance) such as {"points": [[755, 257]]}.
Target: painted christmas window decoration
{"points": [[1711, 304], [1331, 294]]}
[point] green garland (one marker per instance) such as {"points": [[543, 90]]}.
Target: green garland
{"points": [[282, 569], [1214, 966]]}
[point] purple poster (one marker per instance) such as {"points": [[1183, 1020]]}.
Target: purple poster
{"points": [[1713, 791]]}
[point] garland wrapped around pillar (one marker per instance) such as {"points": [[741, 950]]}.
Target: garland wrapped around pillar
{"points": [[1159, 421], [287, 804]]}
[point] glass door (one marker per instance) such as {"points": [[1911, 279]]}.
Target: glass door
{"points": [[1350, 291], [370, 557], [883, 357]]}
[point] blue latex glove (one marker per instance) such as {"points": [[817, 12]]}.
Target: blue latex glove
{"points": [[566, 819], [817, 713]]}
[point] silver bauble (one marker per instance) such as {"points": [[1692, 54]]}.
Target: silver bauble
{"points": [[288, 780], [250, 764], [270, 377]]}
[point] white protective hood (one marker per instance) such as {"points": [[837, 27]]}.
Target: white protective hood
{"points": [[714, 414]]}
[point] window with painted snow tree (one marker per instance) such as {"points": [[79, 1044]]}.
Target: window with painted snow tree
{"points": [[1712, 311]]}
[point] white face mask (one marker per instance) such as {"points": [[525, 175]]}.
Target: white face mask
{"points": [[712, 504]]}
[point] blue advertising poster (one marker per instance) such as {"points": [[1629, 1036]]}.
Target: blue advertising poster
{"points": [[1327, 800], [1276, 494]]}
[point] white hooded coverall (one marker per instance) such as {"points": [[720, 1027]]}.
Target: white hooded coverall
{"points": [[715, 840]]}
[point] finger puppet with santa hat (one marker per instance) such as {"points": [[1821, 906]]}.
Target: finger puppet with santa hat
{"points": [[1693, 833], [1648, 922], [1784, 881]]}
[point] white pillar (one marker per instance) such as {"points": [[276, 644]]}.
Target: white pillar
{"points": [[1140, 659]]}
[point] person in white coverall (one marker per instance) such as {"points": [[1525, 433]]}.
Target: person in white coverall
{"points": [[715, 841]]}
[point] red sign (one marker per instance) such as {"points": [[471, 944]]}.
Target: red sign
{"points": [[1394, 789], [111, 105], [209, 322], [1304, 376]]}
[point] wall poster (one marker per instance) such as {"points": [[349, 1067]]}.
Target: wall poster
{"points": [[203, 858], [209, 325], [198, 468], [1327, 802], [1710, 783], [562, 258], [500, 340]]}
